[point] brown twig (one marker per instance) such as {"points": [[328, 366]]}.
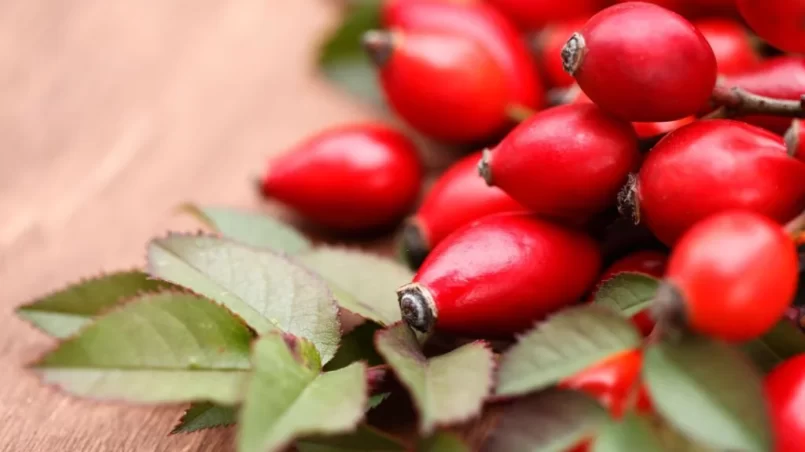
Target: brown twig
{"points": [[735, 101]]}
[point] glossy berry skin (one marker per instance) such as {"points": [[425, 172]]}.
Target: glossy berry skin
{"points": [[457, 198], [352, 177], [795, 139], [735, 274], [781, 78], [780, 22], [785, 395], [447, 87], [534, 14], [498, 275], [482, 23], [730, 43], [612, 381], [565, 162], [643, 129], [642, 63], [710, 166], [551, 41]]}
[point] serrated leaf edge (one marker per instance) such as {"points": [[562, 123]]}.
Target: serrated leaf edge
{"points": [[473, 414], [175, 430], [282, 255]]}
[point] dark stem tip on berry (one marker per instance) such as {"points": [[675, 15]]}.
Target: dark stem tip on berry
{"points": [[628, 203], [573, 53], [417, 307], [485, 166], [791, 138], [414, 246], [379, 45]]}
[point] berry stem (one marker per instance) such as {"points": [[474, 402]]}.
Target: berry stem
{"points": [[417, 307], [735, 101]]}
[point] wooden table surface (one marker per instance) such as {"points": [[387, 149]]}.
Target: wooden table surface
{"points": [[112, 113]]}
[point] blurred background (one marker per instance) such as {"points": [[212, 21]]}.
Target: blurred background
{"points": [[111, 114]]}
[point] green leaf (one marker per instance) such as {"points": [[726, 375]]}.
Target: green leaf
{"points": [[782, 342], [342, 58], [633, 432], [289, 397], [450, 388], [358, 345], [267, 290], [550, 421], [250, 228], [443, 442], [627, 293], [158, 348], [710, 392], [564, 345], [63, 313], [204, 415], [370, 280], [365, 439]]}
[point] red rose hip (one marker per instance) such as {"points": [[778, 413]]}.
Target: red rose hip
{"points": [[535, 14], [612, 381], [457, 198], [730, 43], [498, 275], [642, 63], [445, 86], [351, 177], [483, 24], [785, 395], [731, 276], [710, 166], [564, 162], [780, 22]]}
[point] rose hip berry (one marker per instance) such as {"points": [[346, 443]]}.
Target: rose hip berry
{"points": [[535, 14], [642, 62], [784, 388], [795, 139], [498, 275], [730, 43], [351, 177], [551, 40], [696, 8], [482, 23], [565, 162], [643, 129], [710, 166], [612, 382], [458, 197], [445, 86], [731, 276], [780, 78], [780, 22]]}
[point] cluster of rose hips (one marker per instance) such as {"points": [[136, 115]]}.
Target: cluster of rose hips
{"points": [[506, 233]]}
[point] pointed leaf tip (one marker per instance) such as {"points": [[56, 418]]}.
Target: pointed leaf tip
{"points": [[158, 348], [63, 313], [627, 292], [432, 382], [250, 228], [564, 345]]}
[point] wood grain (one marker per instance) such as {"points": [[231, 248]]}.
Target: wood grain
{"points": [[112, 113]]}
